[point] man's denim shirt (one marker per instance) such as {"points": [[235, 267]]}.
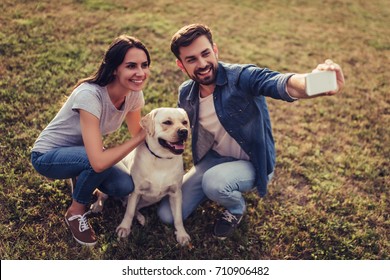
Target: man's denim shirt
{"points": [[242, 110]]}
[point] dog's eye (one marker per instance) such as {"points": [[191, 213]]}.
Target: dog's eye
{"points": [[168, 122], [184, 122]]}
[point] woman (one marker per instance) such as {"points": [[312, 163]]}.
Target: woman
{"points": [[72, 146]]}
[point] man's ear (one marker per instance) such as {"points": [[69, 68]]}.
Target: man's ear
{"points": [[215, 49], [180, 65], [147, 122]]}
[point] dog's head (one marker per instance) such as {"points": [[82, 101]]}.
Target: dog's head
{"points": [[167, 129]]}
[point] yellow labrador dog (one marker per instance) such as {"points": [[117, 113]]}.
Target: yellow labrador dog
{"points": [[156, 167]]}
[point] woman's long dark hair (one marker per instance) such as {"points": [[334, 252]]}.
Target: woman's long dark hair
{"points": [[113, 58]]}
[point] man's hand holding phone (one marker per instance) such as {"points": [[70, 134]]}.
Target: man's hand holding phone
{"points": [[326, 79]]}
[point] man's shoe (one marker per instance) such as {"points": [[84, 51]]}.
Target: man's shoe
{"points": [[81, 229], [226, 223]]}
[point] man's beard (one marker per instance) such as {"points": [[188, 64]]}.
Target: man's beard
{"points": [[209, 80]]}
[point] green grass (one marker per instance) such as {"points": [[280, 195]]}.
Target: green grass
{"points": [[329, 198]]}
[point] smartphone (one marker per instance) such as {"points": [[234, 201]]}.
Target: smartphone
{"points": [[320, 82]]}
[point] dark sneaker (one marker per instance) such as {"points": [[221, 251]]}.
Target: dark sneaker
{"points": [[226, 223], [81, 229]]}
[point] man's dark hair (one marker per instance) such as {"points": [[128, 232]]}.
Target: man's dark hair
{"points": [[187, 34]]}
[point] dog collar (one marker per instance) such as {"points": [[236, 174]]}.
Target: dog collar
{"points": [[147, 146]]}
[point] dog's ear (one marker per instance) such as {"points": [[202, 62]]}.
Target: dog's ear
{"points": [[147, 122]]}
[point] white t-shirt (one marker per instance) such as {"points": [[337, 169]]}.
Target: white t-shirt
{"points": [[64, 130], [224, 144]]}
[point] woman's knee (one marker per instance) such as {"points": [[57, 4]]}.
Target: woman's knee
{"points": [[61, 163], [117, 186], [123, 190]]}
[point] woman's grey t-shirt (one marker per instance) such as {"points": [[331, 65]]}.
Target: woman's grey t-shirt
{"points": [[64, 130]]}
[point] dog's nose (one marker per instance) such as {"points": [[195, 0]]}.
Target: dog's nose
{"points": [[182, 133]]}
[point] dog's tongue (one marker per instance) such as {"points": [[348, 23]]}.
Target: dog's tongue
{"points": [[178, 146]]}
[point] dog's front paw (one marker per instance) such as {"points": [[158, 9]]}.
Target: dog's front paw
{"points": [[182, 238], [123, 231]]}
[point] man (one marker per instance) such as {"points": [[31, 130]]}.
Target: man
{"points": [[232, 143]]}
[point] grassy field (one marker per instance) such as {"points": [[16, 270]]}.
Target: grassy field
{"points": [[329, 198]]}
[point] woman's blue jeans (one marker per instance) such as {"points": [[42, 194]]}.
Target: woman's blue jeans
{"points": [[220, 179], [69, 162]]}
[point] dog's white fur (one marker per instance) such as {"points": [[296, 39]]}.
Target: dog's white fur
{"points": [[156, 170]]}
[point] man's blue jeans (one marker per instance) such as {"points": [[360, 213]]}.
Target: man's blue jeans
{"points": [[69, 162], [220, 179]]}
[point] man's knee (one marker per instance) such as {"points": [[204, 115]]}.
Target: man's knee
{"points": [[165, 214], [213, 185]]}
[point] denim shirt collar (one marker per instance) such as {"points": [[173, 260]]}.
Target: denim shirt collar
{"points": [[221, 75]]}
